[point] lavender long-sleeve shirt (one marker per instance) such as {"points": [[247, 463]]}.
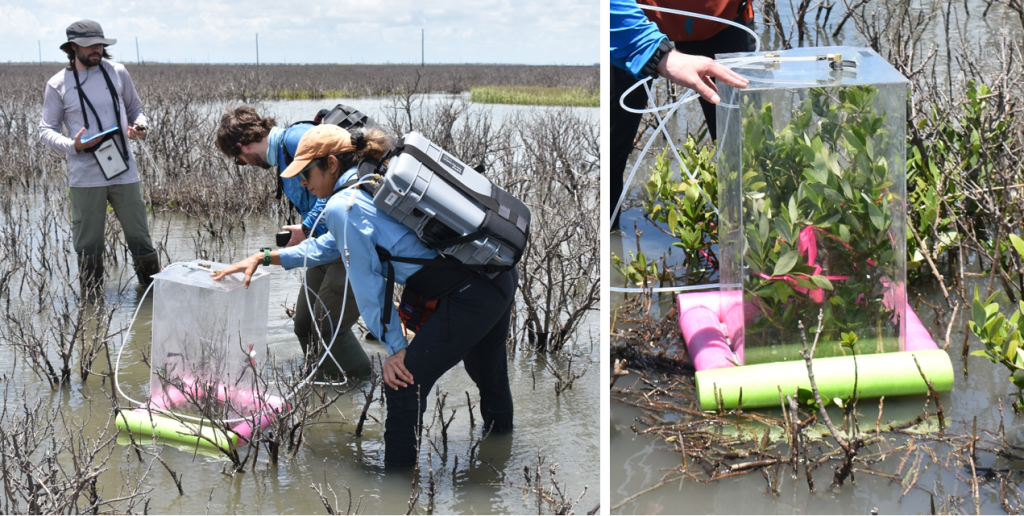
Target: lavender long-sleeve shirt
{"points": [[61, 105]]}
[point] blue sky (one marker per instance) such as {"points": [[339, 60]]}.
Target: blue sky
{"points": [[319, 31]]}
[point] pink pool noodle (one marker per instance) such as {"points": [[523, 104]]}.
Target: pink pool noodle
{"points": [[702, 323], [704, 338], [243, 401], [270, 411], [171, 396]]}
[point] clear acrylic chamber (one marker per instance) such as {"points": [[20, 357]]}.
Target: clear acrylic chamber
{"points": [[206, 333], [812, 203]]}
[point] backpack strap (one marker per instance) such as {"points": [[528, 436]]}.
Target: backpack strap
{"points": [[386, 259]]}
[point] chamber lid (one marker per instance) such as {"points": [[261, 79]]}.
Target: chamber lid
{"points": [[197, 273], [812, 67]]}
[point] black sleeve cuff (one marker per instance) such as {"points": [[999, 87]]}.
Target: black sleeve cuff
{"points": [[651, 68], [306, 230]]}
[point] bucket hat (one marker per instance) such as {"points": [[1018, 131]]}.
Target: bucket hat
{"points": [[85, 33]]}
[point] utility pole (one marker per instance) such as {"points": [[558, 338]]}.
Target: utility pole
{"points": [[257, 49], [138, 59], [422, 51], [40, 51]]}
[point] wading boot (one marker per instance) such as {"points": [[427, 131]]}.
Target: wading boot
{"points": [[90, 275], [145, 267]]}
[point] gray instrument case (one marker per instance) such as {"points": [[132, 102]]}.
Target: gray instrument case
{"points": [[490, 227]]}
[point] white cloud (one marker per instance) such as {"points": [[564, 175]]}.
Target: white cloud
{"points": [[502, 31], [16, 22]]}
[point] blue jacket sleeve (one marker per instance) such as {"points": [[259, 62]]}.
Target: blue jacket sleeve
{"points": [[321, 227], [311, 251], [634, 38], [366, 273]]}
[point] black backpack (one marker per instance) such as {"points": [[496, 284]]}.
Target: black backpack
{"points": [[343, 116]]}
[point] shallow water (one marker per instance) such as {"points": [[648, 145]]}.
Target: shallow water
{"points": [[562, 428], [640, 460], [291, 111]]}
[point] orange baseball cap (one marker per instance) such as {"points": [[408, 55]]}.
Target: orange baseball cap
{"points": [[322, 140]]}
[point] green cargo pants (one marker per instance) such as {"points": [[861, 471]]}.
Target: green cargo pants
{"points": [[89, 216], [328, 282]]}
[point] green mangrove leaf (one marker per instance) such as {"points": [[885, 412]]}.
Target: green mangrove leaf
{"points": [[784, 230], [822, 282], [844, 233], [876, 217], [991, 309], [803, 281], [848, 190], [818, 172], [1011, 349], [993, 326], [833, 195], [786, 263], [978, 311], [1018, 244]]}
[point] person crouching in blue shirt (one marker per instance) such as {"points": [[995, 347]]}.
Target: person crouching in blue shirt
{"points": [[470, 324], [256, 141]]}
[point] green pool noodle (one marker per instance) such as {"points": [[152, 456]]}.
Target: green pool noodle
{"points": [[883, 374], [139, 424]]}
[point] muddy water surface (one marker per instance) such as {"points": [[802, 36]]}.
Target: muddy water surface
{"points": [[562, 428]]}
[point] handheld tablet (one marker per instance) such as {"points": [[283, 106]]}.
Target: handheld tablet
{"points": [[101, 134]]}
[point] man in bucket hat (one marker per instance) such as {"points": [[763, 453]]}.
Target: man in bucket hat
{"points": [[89, 97]]}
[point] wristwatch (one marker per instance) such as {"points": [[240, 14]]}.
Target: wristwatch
{"points": [[266, 256], [651, 68]]}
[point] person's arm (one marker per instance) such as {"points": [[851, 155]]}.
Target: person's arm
{"points": [[247, 266], [51, 121], [365, 271], [132, 105], [307, 223], [311, 252], [634, 38]]}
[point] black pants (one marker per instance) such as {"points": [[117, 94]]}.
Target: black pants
{"points": [[477, 329], [624, 124]]}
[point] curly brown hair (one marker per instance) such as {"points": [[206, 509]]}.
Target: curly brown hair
{"points": [[241, 125]]}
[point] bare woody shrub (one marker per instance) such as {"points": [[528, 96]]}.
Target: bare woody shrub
{"points": [[52, 464], [552, 164], [548, 159]]}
